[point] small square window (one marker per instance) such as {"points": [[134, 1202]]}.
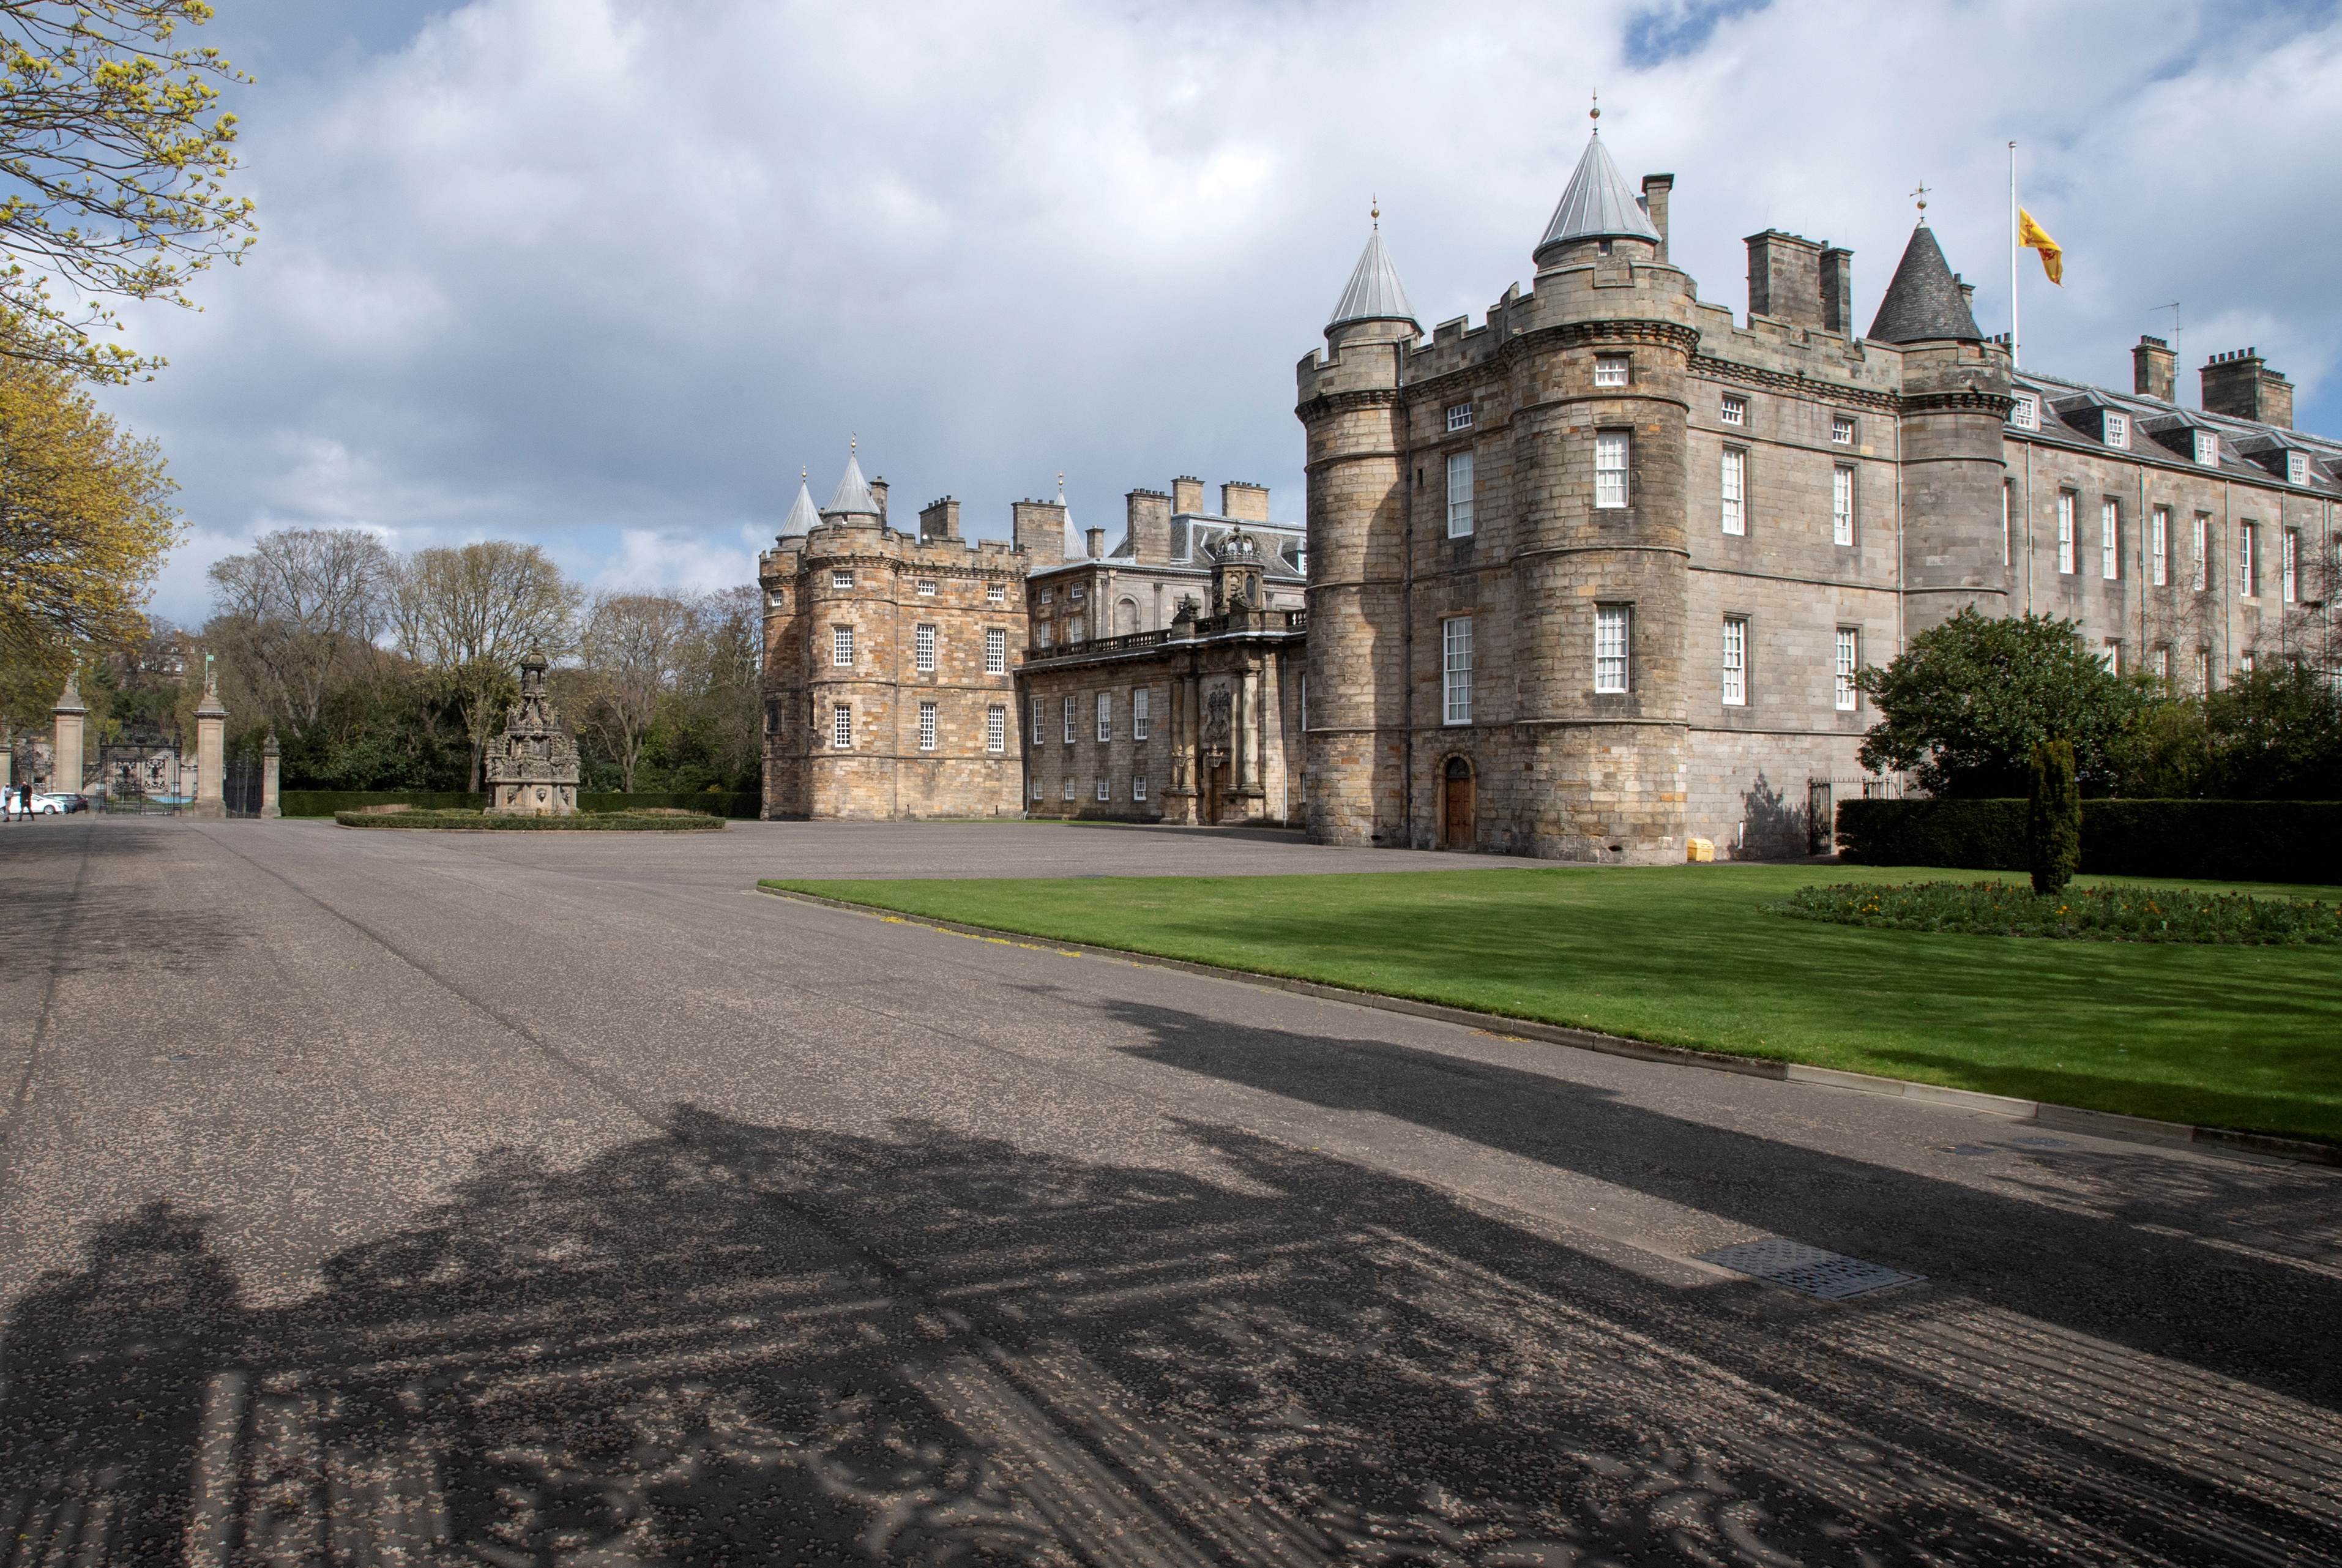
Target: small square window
{"points": [[2118, 430], [1075, 593], [1735, 410], [1841, 429], [841, 579], [1610, 370], [926, 588], [995, 593], [1459, 417]]}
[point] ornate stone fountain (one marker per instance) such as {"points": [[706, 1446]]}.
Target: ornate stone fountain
{"points": [[532, 767]]}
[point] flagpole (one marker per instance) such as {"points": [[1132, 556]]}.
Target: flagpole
{"points": [[2014, 337]]}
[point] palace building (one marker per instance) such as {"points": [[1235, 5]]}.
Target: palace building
{"points": [[1584, 580]]}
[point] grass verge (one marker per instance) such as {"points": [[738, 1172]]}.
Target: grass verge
{"points": [[2226, 1036]]}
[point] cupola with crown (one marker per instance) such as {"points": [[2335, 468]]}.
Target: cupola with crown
{"points": [[1598, 214]]}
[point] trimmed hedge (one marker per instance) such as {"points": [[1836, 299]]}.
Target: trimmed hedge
{"points": [[2209, 840], [581, 822], [332, 802]]}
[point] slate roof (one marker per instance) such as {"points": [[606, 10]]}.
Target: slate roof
{"points": [[802, 517], [1598, 203], [1923, 302], [2248, 449], [853, 495], [1373, 294]]}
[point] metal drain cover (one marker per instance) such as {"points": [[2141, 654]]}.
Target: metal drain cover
{"points": [[1833, 1276]]}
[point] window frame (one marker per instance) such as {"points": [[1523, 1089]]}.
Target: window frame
{"points": [[1040, 724], [841, 726], [1732, 663], [2159, 533], [2248, 564], [928, 726], [841, 580], [1076, 630], [2025, 411], [1072, 719], [995, 650], [1105, 716], [1141, 712], [1104, 793], [840, 647], [926, 587], [1613, 370], [1842, 505], [2297, 468], [1455, 670], [995, 593], [2069, 503], [2110, 539], [1732, 408], [1459, 416], [1463, 520], [1137, 787], [1614, 672], [996, 729], [923, 648], [2118, 431], [2208, 449], [2289, 567], [1620, 488], [1732, 488], [2201, 582], [1844, 428], [1845, 665]]}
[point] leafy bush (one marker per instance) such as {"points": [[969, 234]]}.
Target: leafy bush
{"points": [[657, 820], [2215, 840], [1965, 705], [2093, 915], [330, 803]]}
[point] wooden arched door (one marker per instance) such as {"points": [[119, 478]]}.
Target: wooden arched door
{"points": [[1455, 804]]}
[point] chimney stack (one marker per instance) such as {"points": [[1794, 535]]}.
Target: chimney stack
{"points": [[2154, 369], [1096, 539], [1037, 529], [1245, 502], [878, 494], [1187, 494], [939, 522], [1148, 514], [1837, 289], [1656, 190], [2242, 386], [1784, 279]]}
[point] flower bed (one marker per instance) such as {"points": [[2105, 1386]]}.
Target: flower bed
{"points": [[582, 821], [2114, 914]]}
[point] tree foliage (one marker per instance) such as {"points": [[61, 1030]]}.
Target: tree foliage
{"points": [[298, 609], [2271, 733], [633, 651], [2053, 818], [469, 613], [1965, 705], [114, 151], [85, 519]]}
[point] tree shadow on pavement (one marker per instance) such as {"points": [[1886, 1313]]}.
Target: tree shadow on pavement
{"points": [[743, 1344]]}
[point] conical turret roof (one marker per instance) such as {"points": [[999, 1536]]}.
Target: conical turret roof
{"points": [[1924, 301], [1373, 294], [853, 497], [1598, 203], [802, 517]]}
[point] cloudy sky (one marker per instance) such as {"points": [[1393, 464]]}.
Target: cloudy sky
{"points": [[605, 273]]}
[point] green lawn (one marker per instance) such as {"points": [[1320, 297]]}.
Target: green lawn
{"points": [[2246, 1037]]}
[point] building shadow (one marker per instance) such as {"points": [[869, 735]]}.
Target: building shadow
{"points": [[732, 1343]]}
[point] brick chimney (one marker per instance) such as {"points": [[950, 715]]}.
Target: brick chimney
{"points": [[2154, 369], [2242, 386], [1784, 279]]}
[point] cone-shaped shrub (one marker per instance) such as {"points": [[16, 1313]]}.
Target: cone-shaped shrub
{"points": [[2053, 818]]}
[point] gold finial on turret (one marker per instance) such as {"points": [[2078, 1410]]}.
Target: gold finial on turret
{"points": [[1595, 114], [1921, 194], [852, 441], [1374, 210]]}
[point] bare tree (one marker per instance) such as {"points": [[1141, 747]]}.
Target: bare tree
{"points": [[469, 613], [728, 673], [297, 610], [631, 649]]}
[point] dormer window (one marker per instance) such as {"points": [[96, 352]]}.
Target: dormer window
{"points": [[2026, 415], [1735, 410], [2208, 449], [2297, 468], [1459, 417], [2118, 430], [1610, 370]]}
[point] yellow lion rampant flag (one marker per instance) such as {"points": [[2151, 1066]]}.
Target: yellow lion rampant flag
{"points": [[2032, 236]]}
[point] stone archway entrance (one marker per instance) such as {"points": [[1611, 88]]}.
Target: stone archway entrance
{"points": [[1455, 805]]}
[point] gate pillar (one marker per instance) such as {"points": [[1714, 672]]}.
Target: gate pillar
{"points": [[268, 775], [211, 749], [64, 757]]}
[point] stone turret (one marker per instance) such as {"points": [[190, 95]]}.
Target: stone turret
{"points": [[1955, 406], [1357, 519]]}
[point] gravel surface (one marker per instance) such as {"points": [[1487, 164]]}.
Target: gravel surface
{"points": [[440, 1199]]}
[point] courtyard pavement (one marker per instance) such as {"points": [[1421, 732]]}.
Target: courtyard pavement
{"points": [[519, 1200]]}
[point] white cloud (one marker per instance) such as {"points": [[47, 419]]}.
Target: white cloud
{"points": [[603, 276]]}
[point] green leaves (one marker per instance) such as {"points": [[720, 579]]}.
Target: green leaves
{"points": [[1967, 702]]}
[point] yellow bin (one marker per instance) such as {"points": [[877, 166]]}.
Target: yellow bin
{"points": [[1699, 849]]}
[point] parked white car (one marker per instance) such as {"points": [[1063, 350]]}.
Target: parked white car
{"points": [[52, 805]]}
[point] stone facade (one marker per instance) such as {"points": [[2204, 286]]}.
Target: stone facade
{"points": [[1589, 579]]}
